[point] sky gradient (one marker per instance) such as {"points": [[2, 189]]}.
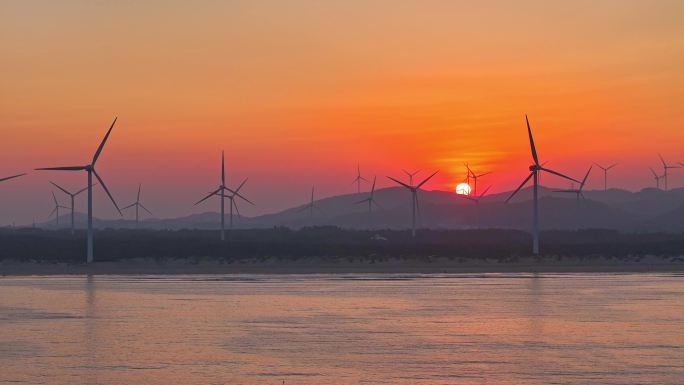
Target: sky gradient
{"points": [[298, 92]]}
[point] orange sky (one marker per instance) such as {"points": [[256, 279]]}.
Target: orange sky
{"points": [[297, 92]]}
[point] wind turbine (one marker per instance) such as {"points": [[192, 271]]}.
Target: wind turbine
{"points": [[56, 210], [605, 174], [410, 175], [90, 169], [11, 177], [232, 197], [414, 198], [476, 199], [371, 198], [220, 191], [665, 168], [137, 206], [656, 177], [474, 176], [535, 171], [310, 206], [72, 196], [578, 191], [359, 178]]}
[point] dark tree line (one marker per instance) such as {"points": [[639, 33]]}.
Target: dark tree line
{"points": [[113, 245]]}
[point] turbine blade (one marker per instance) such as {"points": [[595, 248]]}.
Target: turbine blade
{"points": [[99, 149], [654, 173], [241, 184], [11, 177], [485, 191], [486, 173], [662, 160], [377, 204], [611, 166], [223, 170], [84, 189], [145, 208], [139, 187], [362, 201], [519, 187], [427, 179], [559, 174], [373, 187], [401, 183], [566, 191], [532, 147], [585, 178], [54, 198], [59, 187], [107, 190], [65, 168], [52, 212], [129, 206], [207, 197]]}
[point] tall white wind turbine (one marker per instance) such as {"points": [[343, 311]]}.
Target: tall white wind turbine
{"points": [[579, 191], [605, 174], [535, 171], [55, 210], [371, 198], [414, 198], [220, 191], [656, 177], [73, 197], [90, 169], [359, 178], [666, 167], [137, 206], [233, 203]]}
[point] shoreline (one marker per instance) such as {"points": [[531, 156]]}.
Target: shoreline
{"points": [[344, 266]]}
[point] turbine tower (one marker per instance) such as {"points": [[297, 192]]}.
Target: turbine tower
{"points": [[605, 174], [359, 178], [90, 169], [414, 198], [11, 177], [371, 198], [56, 210], [232, 197], [471, 174], [72, 196], [220, 191], [665, 168], [579, 192], [137, 206], [535, 171]]}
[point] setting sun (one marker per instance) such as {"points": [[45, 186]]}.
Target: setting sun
{"points": [[463, 189]]}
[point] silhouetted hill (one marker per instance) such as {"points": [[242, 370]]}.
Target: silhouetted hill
{"points": [[646, 210]]}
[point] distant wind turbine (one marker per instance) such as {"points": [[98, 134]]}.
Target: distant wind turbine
{"points": [[656, 177], [665, 172], [535, 171], [605, 174], [90, 169], [56, 210], [410, 175], [475, 177], [11, 177], [371, 198], [310, 206], [579, 192], [137, 206], [414, 198], [359, 179], [72, 196], [476, 199], [232, 197], [221, 192]]}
